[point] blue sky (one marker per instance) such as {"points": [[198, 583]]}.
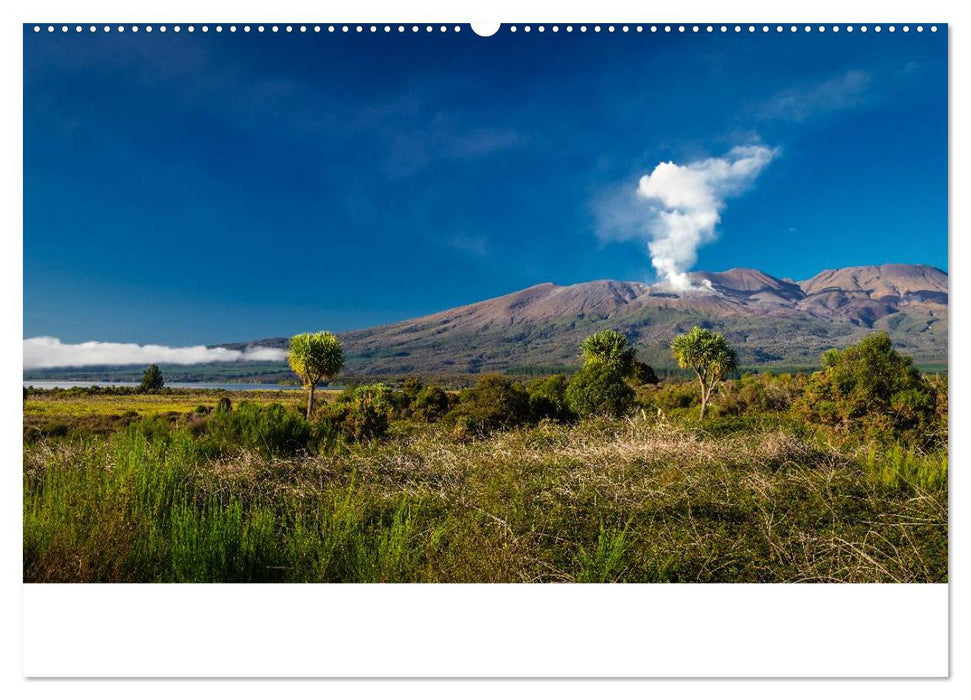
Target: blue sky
{"points": [[202, 188]]}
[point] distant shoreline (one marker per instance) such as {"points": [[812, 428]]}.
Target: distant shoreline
{"points": [[225, 386]]}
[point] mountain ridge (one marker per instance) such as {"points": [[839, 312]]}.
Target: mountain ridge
{"points": [[771, 320]]}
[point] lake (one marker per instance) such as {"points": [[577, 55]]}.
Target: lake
{"points": [[228, 386]]}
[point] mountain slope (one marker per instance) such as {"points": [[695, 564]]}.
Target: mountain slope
{"points": [[771, 321]]}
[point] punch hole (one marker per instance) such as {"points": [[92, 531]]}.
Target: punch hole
{"points": [[485, 29]]}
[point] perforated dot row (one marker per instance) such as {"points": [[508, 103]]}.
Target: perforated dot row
{"points": [[708, 28], [414, 28], [290, 28]]}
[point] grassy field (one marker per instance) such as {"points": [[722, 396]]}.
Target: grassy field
{"points": [[652, 497], [61, 412]]}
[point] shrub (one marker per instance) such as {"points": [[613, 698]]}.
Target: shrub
{"points": [[599, 390], [642, 373], [410, 389], [271, 430], [362, 412], [872, 386], [547, 398], [431, 403], [755, 393], [493, 403], [669, 396]]}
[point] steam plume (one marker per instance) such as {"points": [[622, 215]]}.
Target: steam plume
{"points": [[45, 352], [681, 205]]}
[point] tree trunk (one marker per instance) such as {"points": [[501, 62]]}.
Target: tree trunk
{"points": [[704, 397], [310, 401]]}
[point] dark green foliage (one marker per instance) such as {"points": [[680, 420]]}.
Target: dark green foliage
{"points": [[642, 374], [363, 412], [547, 398], [599, 390], [152, 380], [872, 386], [431, 403], [224, 404], [410, 388], [271, 430], [493, 403]]}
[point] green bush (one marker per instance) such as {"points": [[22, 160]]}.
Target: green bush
{"points": [[872, 387], [599, 390], [669, 396], [272, 430], [363, 412], [642, 373], [431, 403], [410, 388], [758, 393], [493, 403], [547, 398]]}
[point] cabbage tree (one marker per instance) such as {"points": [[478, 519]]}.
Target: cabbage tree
{"points": [[315, 358], [709, 355]]}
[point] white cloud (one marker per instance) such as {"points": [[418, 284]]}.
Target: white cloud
{"points": [[677, 207], [45, 352]]}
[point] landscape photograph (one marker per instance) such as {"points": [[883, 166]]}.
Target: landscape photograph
{"points": [[563, 304]]}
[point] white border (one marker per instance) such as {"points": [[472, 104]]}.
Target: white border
{"points": [[179, 614], [511, 631]]}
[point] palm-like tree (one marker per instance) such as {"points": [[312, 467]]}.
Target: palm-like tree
{"points": [[709, 355], [315, 357]]}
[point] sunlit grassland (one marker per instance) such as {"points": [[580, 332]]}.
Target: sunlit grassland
{"points": [[643, 499], [55, 405]]}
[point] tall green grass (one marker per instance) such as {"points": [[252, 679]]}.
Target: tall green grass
{"points": [[642, 499], [136, 508], [900, 467]]}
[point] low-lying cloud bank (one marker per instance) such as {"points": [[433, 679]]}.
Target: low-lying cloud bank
{"points": [[46, 352]]}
